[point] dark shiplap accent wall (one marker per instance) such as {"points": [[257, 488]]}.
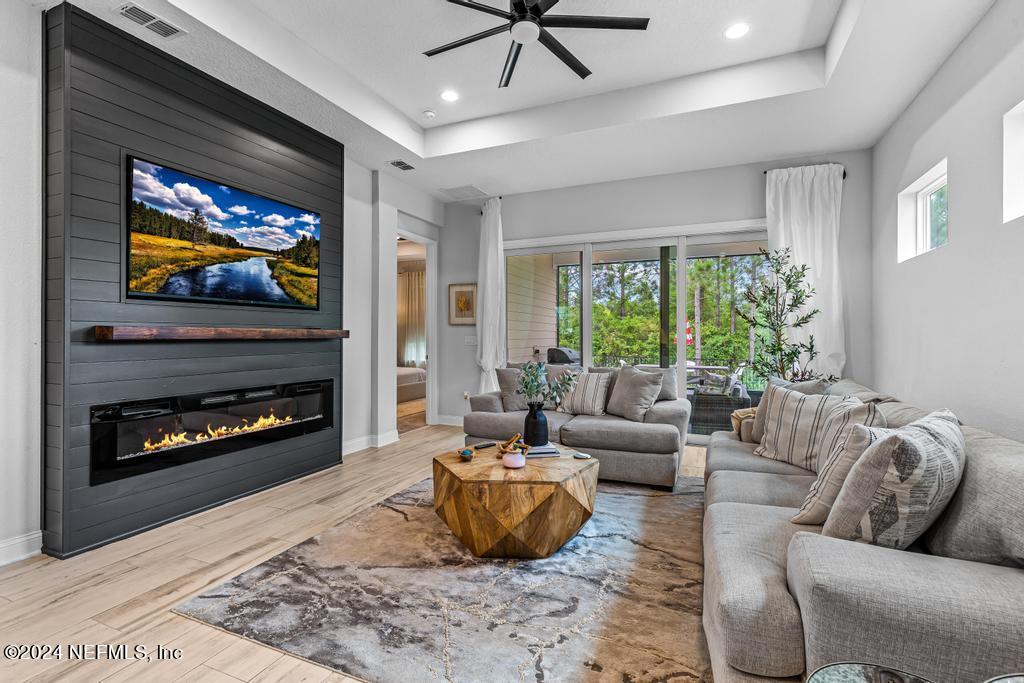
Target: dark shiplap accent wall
{"points": [[110, 96]]}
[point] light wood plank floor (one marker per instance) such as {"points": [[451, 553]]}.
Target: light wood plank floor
{"points": [[122, 593]]}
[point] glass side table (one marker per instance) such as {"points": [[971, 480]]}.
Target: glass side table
{"points": [[850, 672]]}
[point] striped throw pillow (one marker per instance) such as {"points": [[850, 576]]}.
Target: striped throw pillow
{"points": [[793, 424], [589, 396], [838, 451]]}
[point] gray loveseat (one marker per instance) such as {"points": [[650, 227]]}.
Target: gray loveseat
{"points": [[648, 452], [780, 600]]}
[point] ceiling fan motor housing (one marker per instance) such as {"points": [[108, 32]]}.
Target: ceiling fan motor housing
{"points": [[525, 30]]}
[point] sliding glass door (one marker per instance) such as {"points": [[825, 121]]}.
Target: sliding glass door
{"points": [[543, 299]]}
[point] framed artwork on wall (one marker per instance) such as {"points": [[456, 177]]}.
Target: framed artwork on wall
{"points": [[462, 304]]}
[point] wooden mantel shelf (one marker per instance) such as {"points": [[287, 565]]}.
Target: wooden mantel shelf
{"points": [[129, 333]]}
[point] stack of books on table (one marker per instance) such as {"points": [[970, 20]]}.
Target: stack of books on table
{"points": [[545, 451]]}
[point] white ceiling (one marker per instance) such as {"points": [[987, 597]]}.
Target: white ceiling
{"points": [[382, 46], [820, 80]]}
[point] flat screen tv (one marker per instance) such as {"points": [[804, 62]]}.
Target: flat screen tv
{"points": [[192, 239]]}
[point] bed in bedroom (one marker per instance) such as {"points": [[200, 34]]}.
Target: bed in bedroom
{"points": [[412, 384]]}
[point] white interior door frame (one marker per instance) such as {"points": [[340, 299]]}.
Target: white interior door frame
{"points": [[431, 313]]}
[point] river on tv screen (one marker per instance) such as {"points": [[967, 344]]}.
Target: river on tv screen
{"points": [[196, 239]]}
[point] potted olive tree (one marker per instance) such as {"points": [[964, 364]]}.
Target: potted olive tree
{"points": [[780, 302], [534, 385]]}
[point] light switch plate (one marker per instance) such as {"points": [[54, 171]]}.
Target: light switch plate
{"points": [[469, 340]]}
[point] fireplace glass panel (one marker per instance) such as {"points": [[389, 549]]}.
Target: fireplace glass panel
{"points": [[142, 436]]}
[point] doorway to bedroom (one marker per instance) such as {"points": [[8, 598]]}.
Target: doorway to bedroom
{"points": [[411, 312]]}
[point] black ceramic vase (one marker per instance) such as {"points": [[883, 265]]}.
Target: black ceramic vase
{"points": [[535, 428]]}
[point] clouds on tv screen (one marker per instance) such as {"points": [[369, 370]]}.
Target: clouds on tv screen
{"points": [[179, 194]]}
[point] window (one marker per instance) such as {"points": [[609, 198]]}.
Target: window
{"points": [[923, 214], [543, 295]]}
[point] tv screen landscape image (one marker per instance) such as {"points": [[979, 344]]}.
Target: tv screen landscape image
{"points": [[197, 240]]}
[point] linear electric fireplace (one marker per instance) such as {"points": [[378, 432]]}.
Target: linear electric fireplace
{"points": [[135, 437]]}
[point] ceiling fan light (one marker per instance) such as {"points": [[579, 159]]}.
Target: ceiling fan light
{"points": [[525, 32]]}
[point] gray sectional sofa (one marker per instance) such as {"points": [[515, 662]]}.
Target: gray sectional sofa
{"points": [[780, 600], [648, 452]]}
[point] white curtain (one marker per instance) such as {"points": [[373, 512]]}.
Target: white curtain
{"points": [[412, 320], [803, 206], [490, 309]]}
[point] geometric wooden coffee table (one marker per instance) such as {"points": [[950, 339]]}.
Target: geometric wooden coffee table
{"points": [[525, 513]]}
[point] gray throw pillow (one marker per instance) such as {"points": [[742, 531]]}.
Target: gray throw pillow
{"points": [[669, 382], [634, 393], [508, 382], [902, 482], [812, 387]]}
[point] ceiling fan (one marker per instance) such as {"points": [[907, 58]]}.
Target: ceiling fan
{"points": [[528, 21]]}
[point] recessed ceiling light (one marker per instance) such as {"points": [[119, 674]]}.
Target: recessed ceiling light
{"points": [[450, 96], [737, 31]]}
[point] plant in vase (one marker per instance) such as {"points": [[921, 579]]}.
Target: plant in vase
{"points": [[780, 302], [534, 385]]}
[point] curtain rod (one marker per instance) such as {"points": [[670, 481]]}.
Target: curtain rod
{"points": [[779, 169]]}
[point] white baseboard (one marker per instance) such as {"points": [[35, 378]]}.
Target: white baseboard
{"points": [[452, 420], [20, 547], [353, 445], [384, 439]]}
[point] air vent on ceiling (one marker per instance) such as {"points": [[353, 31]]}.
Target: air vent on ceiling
{"points": [[465, 193], [403, 165], [147, 19]]}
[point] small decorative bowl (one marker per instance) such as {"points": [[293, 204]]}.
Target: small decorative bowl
{"points": [[514, 460], [466, 454]]}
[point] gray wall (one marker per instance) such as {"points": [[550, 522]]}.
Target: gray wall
{"points": [[947, 324], [110, 96], [714, 195], [21, 277]]}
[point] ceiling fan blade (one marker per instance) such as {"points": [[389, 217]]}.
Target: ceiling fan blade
{"points": [[480, 7], [572, 21], [469, 39], [541, 6], [510, 64], [518, 6], [559, 50]]}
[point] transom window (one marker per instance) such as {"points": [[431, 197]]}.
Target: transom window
{"points": [[923, 214]]}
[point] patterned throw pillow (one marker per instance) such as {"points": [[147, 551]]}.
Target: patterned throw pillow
{"points": [[589, 396], [838, 450], [793, 425], [901, 484]]}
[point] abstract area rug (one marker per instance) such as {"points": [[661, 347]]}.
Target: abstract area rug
{"points": [[390, 596]]}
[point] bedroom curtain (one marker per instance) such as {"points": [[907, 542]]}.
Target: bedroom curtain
{"points": [[412, 320], [803, 207], [490, 311]]}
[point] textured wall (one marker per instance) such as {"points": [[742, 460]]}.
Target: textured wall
{"points": [[111, 96]]}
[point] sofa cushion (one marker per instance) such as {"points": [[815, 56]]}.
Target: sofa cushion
{"points": [[765, 409], [634, 393], [727, 452], [901, 484], [794, 424], [508, 384], [847, 387], [507, 425], [652, 469], [899, 414], [615, 433], [984, 521], [745, 587], [758, 488]]}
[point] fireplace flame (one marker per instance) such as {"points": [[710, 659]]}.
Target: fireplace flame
{"points": [[184, 439]]}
